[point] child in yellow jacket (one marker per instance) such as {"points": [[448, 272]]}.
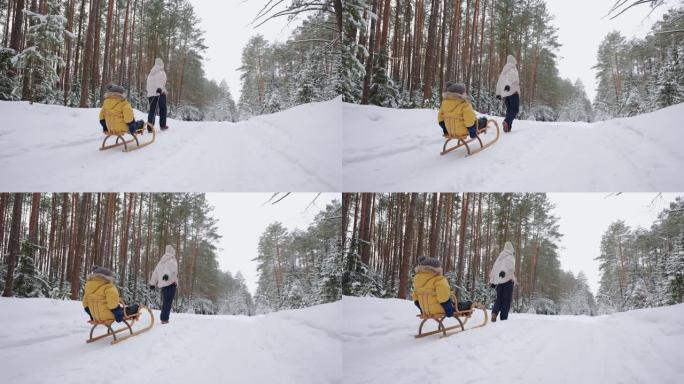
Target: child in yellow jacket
{"points": [[456, 107], [100, 296], [431, 289], [116, 115]]}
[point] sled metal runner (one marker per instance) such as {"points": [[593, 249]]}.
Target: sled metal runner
{"points": [[472, 145], [129, 321], [462, 316], [129, 144]]}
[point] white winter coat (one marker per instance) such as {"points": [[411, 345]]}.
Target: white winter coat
{"points": [[156, 79], [509, 76], [505, 262], [166, 266]]}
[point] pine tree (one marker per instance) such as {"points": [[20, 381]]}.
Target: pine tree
{"points": [[40, 61], [674, 273], [225, 108], [352, 71], [252, 95], [382, 91], [28, 282], [8, 81]]}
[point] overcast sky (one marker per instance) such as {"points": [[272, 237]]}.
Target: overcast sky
{"points": [[243, 217], [584, 217], [227, 26], [582, 26]]}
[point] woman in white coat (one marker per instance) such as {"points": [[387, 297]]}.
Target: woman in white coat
{"points": [[156, 94], [502, 277], [165, 276], [508, 88]]}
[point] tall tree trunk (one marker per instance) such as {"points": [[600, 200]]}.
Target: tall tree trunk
{"points": [[461, 238], [430, 62], [406, 255], [14, 244]]}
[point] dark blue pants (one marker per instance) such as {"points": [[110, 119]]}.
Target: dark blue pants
{"points": [[512, 109], [167, 295], [157, 101], [504, 296], [134, 126]]}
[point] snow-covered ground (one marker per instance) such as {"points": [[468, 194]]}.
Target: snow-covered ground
{"points": [[53, 148], [642, 346], [43, 341], [394, 150]]}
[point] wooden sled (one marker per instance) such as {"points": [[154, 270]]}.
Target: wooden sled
{"points": [[130, 144], [462, 316], [129, 321], [466, 141]]}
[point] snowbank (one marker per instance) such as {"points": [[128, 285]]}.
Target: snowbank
{"points": [[642, 346], [43, 341], [394, 150], [54, 148]]}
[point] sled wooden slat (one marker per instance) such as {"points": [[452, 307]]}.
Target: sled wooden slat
{"points": [[129, 321], [461, 316], [465, 141], [121, 140]]}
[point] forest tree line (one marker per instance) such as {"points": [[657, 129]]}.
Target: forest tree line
{"points": [[66, 51], [386, 233], [641, 75], [400, 53], [303, 69], [50, 242], [300, 268], [643, 268]]}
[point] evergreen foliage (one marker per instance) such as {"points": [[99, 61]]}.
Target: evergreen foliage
{"points": [[300, 268], [641, 75], [643, 268]]}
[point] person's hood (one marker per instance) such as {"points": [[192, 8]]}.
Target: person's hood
{"points": [[427, 268], [158, 66], [169, 254], [100, 277], [454, 96], [508, 247], [511, 60], [114, 95]]}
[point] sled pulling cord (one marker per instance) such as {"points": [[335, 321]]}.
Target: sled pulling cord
{"points": [[467, 142], [127, 144], [129, 321]]}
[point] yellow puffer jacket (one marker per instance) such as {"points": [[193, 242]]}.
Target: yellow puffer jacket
{"points": [[430, 288], [117, 113], [100, 296], [457, 113]]}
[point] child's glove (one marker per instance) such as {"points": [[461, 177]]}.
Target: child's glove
{"points": [[507, 88], [159, 91], [152, 287], [89, 314], [418, 305], [498, 97], [492, 286], [165, 277], [118, 314], [448, 308], [104, 126]]}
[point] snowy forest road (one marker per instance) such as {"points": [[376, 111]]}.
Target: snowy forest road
{"points": [[395, 150], [43, 341], [53, 148], [641, 346]]}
